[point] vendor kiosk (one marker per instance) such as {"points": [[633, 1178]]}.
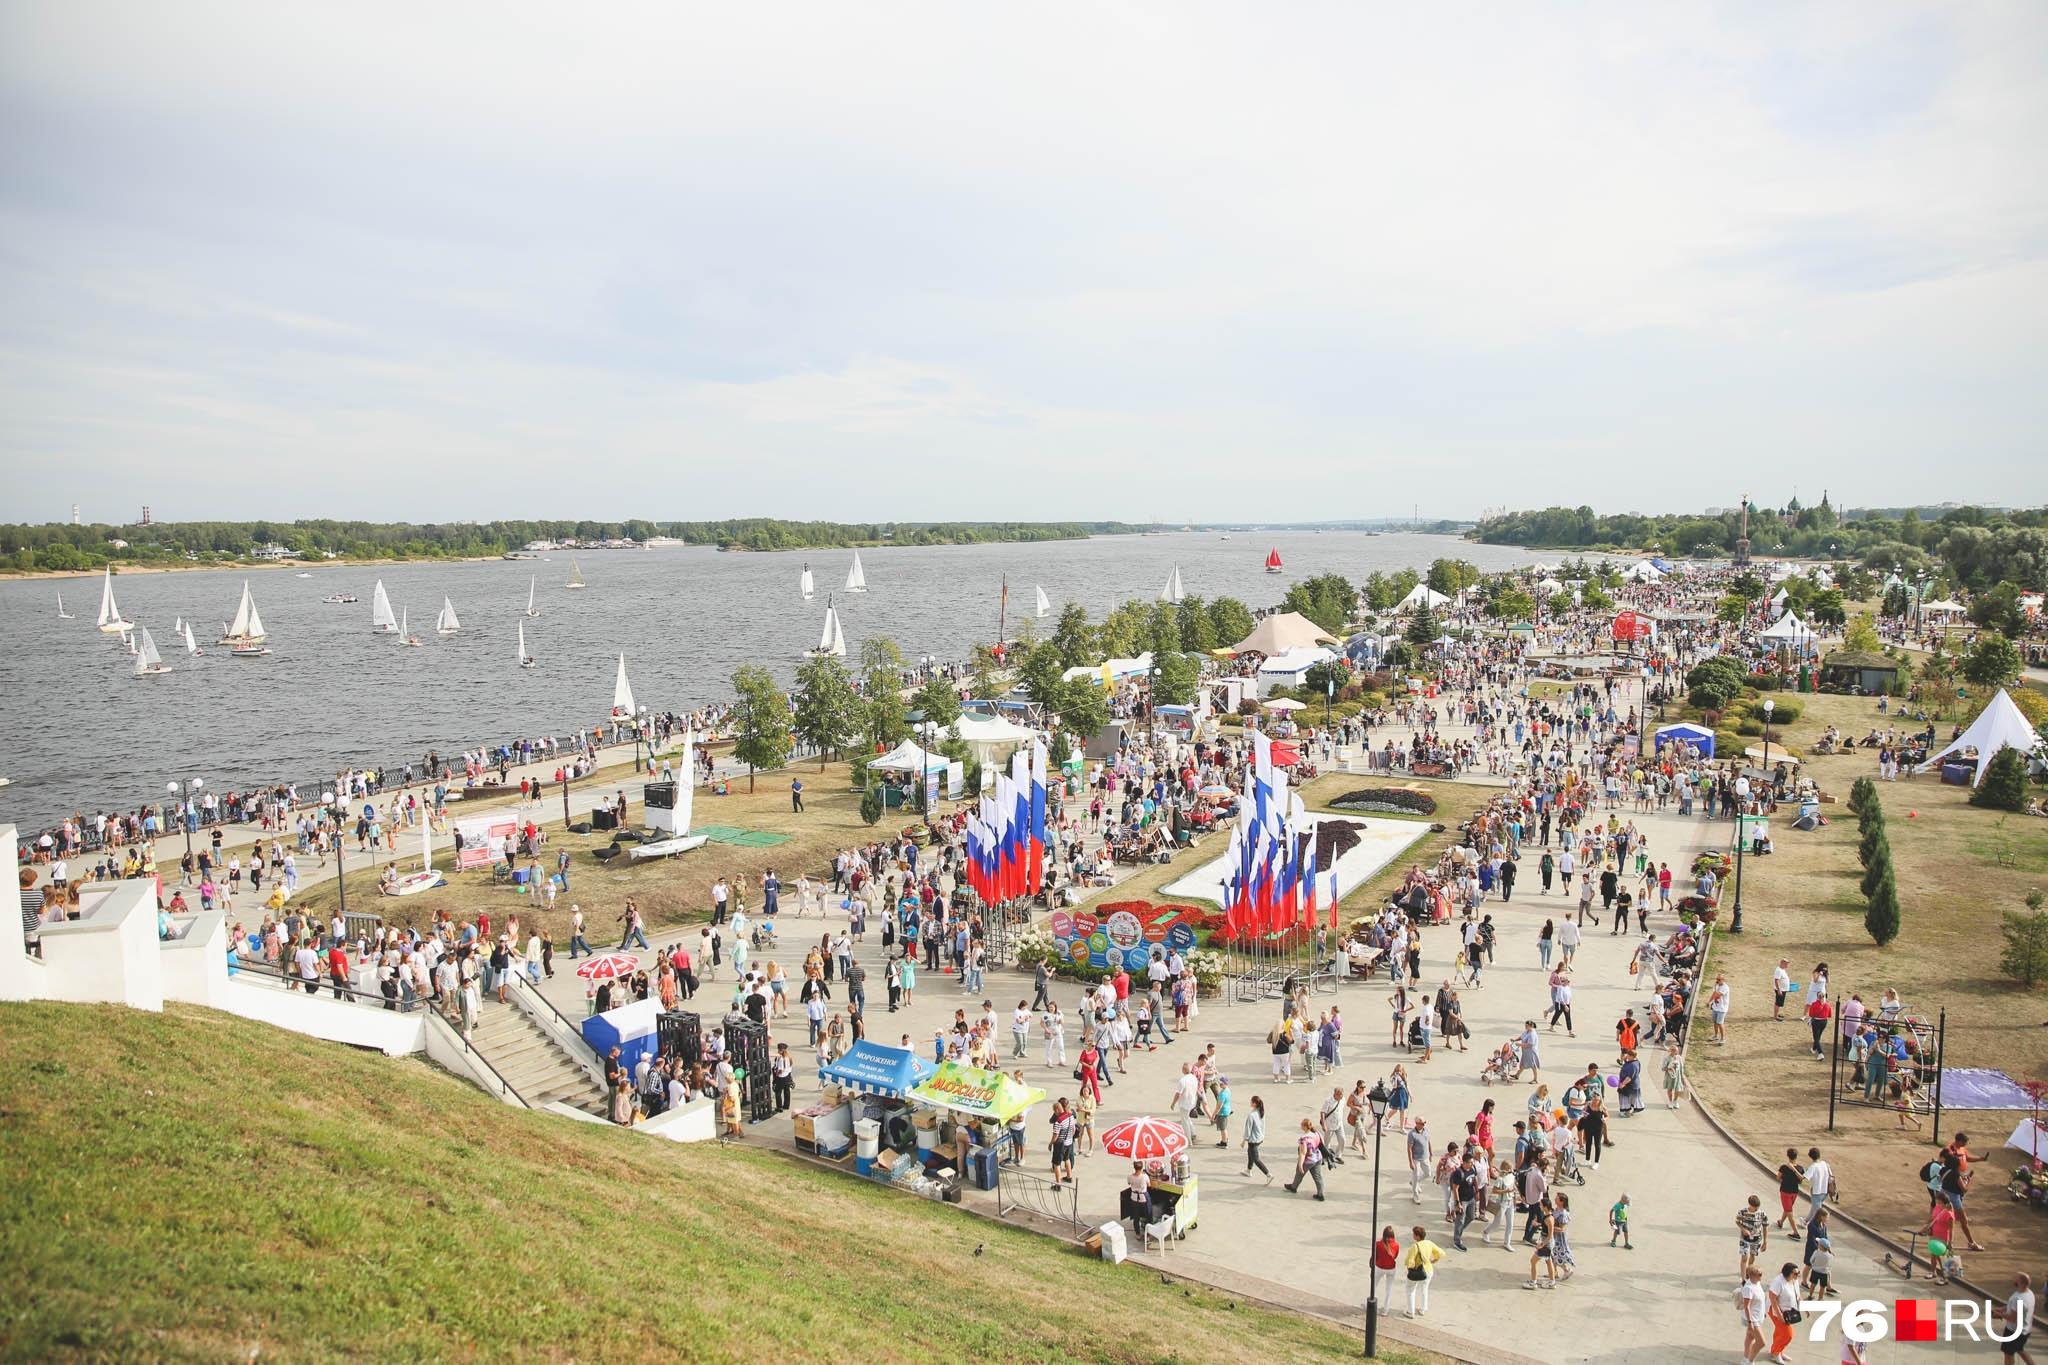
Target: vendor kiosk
{"points": [[632, 1029], [865, 1110], [983, 1102]]}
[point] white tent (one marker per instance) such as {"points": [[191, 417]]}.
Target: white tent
{"points": [[992, 738], [1420, 594], [1792, 632], [2001, 726], [1119, 669], [908, 757], [1778, 604], [1643, 571], [1549, 587], [1281, 632], [1945, 607], [1289, 669]]}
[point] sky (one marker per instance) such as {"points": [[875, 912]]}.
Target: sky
{"points": [[1184, 261]]}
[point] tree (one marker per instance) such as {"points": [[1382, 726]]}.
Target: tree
{"points": [[1992, 661], [986, 682], [1511, 605], [1881, 918], [1422, 628], [2005, 782], [826, 710], [1197, 631], [1327, 599], [1861, 636], [1731, 609], [881, 683], [1452, 576], [763, 737], [1713, 683], [1175, 678], [871, 803], [1232, 620], [1897, 601], [1827, 607], [1082, 707], [1860, 792], [2025, 956], [1071, 637], [938, 702], [1326, 679], [1880, 866], [1594, 599], [1039, 671], [1162, 631], [1873, 841]]}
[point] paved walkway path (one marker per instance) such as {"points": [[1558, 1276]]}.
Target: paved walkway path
{"points": [[1669, 1299]]}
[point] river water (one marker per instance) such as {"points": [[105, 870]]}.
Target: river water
{"points": [[79, 732]]}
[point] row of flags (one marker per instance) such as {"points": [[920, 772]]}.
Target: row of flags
{"points": [[1272, 882], [1006, 834]]}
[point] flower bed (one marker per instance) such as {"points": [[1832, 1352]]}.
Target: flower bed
{"points": [[1387, 801]]}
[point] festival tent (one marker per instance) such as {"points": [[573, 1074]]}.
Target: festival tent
{"points": [[907, 757], [1418, 595], [1699, 736], [1661, 565], [1778, 604], [972, 1091], [1112, 670], [1289, 670], [1945, 607], [1792, 633], [1549, 587], [877, 1069], [2001, 726], [1281, 633], [1643, 571], [992, 738]]}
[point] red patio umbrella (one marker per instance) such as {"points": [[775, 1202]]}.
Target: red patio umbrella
{"points": [[1145, 1139], [607, 966]]}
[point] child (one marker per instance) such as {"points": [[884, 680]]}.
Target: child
{"points": [[1617, 1224], [1947, 1265], [1903, 1104], [1818, 1265]]}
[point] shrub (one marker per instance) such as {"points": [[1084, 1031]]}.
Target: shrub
{"points": [[1873, 839], [1860, 792], [1749, 725], [1880, 866], [871, 805], [2025, 955], [1783, 712], [1387, 800], [2005, 783], [1881, 919]]}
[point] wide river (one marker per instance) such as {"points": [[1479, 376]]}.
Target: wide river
{"points": [[80, 732]]}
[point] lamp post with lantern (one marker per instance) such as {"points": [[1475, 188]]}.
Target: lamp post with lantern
{"points": [[1377, 1100], [337, 812], [184, 788]]}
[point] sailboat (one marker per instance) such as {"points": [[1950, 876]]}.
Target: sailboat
{"points": [[191, 645], [832, 644], [575, 583], [1044, 602], [1173, 592], [622, 692], [406, 637], [1273, 562], [531, 585], [804, 585], [426, 879], [382, 622], [445, 623], [248, 626], [149, 663], [856, 581], [62, 615], [525, 659], [110, 614]]}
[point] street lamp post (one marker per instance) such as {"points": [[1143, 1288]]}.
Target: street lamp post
{"points": [[338, 813], [1377, 1100], [184, 788]]}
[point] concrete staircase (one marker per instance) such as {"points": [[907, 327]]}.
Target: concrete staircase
{"points": [[531, 1062]]}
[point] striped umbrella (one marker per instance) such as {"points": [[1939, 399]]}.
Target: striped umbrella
{"points": [[1145, 1139], [607, 966]]}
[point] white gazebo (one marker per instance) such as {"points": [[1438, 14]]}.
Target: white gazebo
{"points": [[2001, 725], [1418, 596]]}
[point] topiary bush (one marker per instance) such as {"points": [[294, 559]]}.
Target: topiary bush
{"points": [[1881, 919], [1880, 866], [871, 804], [1873, 839]]}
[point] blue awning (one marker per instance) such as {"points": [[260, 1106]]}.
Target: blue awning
{"points": [[875, 1069]]}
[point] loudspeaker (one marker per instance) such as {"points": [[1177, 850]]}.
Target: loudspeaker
{"points": [[604, 818], [659, 795]]}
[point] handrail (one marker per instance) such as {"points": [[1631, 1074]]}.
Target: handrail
{"points": [[584, 1056], [290, 982], [505, 1087]]}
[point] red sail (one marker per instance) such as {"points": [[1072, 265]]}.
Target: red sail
{"points": [[1273, 560]]}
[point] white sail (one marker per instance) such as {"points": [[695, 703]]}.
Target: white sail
{"points": [[1172, 592], [62, 615], [404, 615], [177, 625], [525, 659], [381, 619], [838, 638], [1044, 602], [147, 660], [856, 580], [247, 627], [426, 846], [191, 645], [110, 613], [806, 586], [532, 585], [445, 623], [575, 575], [622, 692]]}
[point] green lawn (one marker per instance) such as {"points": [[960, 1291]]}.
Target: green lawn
{"points": [[192, 1185]]}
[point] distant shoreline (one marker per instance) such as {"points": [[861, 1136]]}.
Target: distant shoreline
{"points": [[266, 566]]}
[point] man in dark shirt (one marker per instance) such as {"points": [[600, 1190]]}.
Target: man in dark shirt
{"points": [[1465, 1188]]}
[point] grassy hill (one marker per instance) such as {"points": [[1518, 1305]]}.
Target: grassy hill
{"points": [[195, 1185]]}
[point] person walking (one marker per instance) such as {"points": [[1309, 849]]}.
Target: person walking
{"points": [[1419, 1267], [1752, 1309], [1386, 1267], [579, 946], [1308, 1159], [1254, 1135]]}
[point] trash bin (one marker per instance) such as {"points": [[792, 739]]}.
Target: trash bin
{"points": [[867, 1138]]}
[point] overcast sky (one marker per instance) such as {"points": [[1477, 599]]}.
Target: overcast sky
{"points": [[428, 261]]}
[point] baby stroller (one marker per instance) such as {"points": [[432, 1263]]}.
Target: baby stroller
{"points": [[1565, 1170], [1504, 1064], [763, 935]]}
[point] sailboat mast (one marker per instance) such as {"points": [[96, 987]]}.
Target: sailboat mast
{"points": [[1003, 614]]}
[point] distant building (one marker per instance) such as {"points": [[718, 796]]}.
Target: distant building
{"points": [[74, 515], [273, 551], [146, 518], [540, 546]]}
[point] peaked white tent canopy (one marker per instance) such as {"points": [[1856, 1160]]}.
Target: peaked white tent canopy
{"points": [[1548, 587], [1643, 571], [992, 738], [1945, 607], [1420, 594], [1790, 631], [909, 757], [1281, 632], [2001, 726]]}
